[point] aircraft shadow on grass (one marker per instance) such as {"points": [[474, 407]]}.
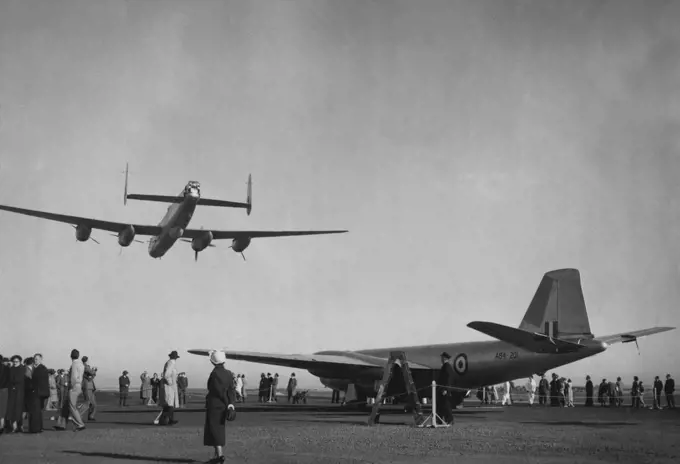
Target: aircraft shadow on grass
{"points": [[129, 457]]}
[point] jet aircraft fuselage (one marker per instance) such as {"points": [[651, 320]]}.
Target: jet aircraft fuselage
{"points": [[475, 364]]}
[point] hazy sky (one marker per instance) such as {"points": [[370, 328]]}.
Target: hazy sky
{"points": [[468, 146]]}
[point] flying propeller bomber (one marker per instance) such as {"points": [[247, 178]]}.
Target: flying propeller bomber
{"points": [[174, 224]]}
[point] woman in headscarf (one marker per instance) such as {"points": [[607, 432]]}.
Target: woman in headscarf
{"points": [[15, 394], [219, 400]]}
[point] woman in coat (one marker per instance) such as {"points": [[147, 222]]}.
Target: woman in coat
{"points": [[220, 398], [146, 387], [15, 401]]}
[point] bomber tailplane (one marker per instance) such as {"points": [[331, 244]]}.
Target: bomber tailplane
{"points": [[532, 341]]}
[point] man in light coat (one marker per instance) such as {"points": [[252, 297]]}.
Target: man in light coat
{"points": [[531, 390], [169, 398]]}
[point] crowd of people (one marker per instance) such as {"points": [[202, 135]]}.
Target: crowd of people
{"points": [[560, 392], [28, 387]]}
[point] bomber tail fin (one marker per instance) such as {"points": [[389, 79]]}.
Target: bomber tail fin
{"points": [[126, 185], [249, 195], [558, 308]]}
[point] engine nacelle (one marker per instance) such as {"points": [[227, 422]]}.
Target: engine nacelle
{"points": [[126, 236], [240, 244], [202, 241], [83, 232]]}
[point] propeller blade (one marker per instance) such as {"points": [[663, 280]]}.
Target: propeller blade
{"points": [[196, 256], [94, 240], [243, 256]]}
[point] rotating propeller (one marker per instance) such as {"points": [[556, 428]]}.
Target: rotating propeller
{"points": [[134, 240]]}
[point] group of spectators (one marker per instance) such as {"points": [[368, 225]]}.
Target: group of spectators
{"points": [[28, 387], [560, 392]]}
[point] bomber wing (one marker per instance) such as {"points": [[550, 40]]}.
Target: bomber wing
{"points": [[231, 234], [307, 361], [632, 336], [532, 341], [77, 220]]}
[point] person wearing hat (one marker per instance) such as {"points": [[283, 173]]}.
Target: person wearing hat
{"points": [[219, 405], [169, 397], [124, 387], [589, 391], [445, 381]]}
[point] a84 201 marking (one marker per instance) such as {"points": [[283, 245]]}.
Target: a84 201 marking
{"points": [[509, 355]]}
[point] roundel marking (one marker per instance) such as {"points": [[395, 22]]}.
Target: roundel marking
{"points": [[460, 364]]}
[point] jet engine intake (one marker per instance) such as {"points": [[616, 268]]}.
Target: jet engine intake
{"points": [[202, 241], [126, 236], [240, 244], [83, 232]]}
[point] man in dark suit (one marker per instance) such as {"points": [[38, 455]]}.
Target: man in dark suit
{"points": [[669, 389], [40, 393], [589, 391], [658, 386], [445, 381]]}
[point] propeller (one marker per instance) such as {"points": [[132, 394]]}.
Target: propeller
{"points": [[242, 255], [121, 248]]}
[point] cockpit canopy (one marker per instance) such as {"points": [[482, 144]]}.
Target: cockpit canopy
{"points": [[194, 186]]}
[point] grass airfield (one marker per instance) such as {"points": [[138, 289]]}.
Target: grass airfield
{"points": [[319, 432]]}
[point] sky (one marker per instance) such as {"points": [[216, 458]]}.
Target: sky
{"points": [[468, 147]]}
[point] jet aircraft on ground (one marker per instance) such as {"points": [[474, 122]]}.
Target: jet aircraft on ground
{"points": [[174, 224], [555, 331]]}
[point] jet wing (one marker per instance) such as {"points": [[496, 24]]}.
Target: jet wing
{"points": [[231, 234], [76, 220], [307, 361], [626, 337], [532, 341]]}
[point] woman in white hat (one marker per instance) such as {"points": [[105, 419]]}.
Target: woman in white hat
{"points": [[219, 405]]}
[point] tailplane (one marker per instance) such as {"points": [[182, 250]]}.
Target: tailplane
{"points": [[558, 308]]}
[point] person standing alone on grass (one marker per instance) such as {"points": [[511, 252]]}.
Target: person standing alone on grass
{"points": [[669, 389], [445, 381], [219, 402], [124, 388], [292, 386]]}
